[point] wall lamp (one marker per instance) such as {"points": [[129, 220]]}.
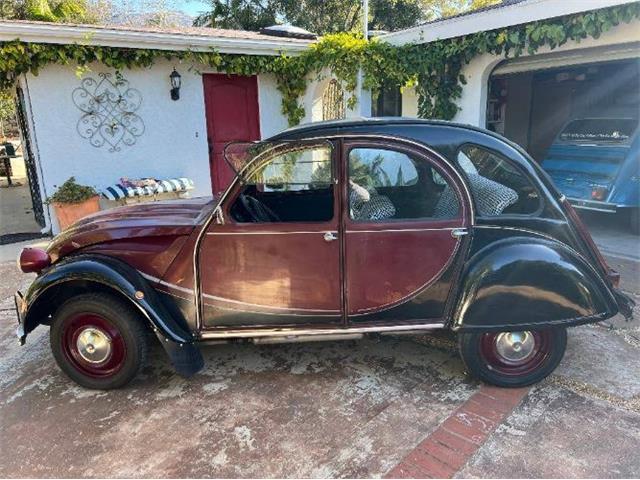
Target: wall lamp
{"points": [[176, 82]]}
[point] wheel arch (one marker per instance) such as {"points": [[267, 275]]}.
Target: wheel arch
{"points": [[99, 273], [527, 282]]}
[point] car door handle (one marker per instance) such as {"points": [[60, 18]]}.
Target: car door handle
{"points": [[459, 232], [330, 237]]}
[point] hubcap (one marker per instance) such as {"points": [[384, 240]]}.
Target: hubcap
{"points": [[93, 345], [515, 346]]}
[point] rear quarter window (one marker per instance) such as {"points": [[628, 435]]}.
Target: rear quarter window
{"points": [[498, 187]]}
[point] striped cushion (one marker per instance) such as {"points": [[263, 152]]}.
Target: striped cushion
{"points": [[117, 191]]}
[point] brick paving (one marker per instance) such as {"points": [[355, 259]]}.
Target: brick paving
{"points": [[446, 450]]}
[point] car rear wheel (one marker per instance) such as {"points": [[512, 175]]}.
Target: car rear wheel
{"points": [[98, 341], [513, 359]]}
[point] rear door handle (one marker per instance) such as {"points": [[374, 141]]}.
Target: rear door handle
{"points": [[330, 237]]}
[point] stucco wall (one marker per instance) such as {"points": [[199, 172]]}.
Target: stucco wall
{"points": [[474, 94], [473, 103], [174, 143]]}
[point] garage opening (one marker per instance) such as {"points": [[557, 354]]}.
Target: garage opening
{"points": [[577, 113], [531, 101]]}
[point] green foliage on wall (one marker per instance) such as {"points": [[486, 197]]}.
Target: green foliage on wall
{"points": [[434, 68]]}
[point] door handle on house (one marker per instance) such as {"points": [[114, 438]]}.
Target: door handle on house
{"points": [[330, 237]]}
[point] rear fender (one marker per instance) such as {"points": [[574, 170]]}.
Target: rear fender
{"points": [[108, 274], [525, 282]]}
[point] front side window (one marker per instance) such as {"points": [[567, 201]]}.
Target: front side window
{"points": [[386, 184], [295, 185], [497, 186]]}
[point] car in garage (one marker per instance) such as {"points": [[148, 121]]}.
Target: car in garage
{"points": [[331, 231], [595, 162]]}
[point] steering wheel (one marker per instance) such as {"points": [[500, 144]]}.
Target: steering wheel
{"points": [[258, 211]]}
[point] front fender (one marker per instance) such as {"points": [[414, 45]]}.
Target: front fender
{"points": [[523, 282], [113, 275]]}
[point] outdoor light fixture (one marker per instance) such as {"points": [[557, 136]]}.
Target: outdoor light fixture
{"points": [[176, 81]]}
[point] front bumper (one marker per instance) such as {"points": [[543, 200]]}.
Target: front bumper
{"points": [[21, 310]]}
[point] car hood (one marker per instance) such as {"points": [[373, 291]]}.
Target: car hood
{"points": [[153, 219]]}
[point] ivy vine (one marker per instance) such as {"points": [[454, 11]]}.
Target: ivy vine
{"points": [[435, 69]]}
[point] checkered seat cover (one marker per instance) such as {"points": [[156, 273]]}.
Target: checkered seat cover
{"points": [[491, 197]]}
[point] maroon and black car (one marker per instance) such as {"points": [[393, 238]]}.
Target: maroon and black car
{"points": [[332, 231]]}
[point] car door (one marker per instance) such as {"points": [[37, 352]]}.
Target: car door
{"points": [[405, 222], [274, 261]]}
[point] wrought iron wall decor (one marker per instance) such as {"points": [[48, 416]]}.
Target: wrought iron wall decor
{"points": [[108, 105]]}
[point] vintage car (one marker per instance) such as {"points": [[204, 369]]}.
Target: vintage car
{"points": [[331, 231], [595, 162]]}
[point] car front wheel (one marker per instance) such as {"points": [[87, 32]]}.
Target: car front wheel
{"points": [[98, 341], [513, 359]]}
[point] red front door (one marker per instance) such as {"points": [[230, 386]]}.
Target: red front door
{"points": [[231, 106]]}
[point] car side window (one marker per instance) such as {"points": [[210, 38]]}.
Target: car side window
{"points": [[386, 184], [497, 186], [292, 186]]}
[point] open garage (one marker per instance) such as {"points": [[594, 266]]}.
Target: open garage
{"points": [[577, 114]]}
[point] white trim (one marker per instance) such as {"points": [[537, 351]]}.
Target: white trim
{"points": [[111, 37], [494, 18], [577, 56], [299, 332]]}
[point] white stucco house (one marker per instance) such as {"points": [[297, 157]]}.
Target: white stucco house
{"points": [[527, 99], [167, 138]]}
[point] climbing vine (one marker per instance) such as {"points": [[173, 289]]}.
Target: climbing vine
{"points": [[435, 69]]}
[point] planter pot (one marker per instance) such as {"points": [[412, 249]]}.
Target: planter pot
{"points": [[69, 213]]}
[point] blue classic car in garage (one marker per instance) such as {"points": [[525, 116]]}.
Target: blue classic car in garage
{"points": [[595, 162]]}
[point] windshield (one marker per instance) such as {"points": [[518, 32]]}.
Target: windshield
{"points": [[599, 130]]}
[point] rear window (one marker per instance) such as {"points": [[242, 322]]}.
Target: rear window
{"points": [[599, 130], [497, 186]]}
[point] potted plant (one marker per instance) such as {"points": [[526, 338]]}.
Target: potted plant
{"points": [[73, 201]]}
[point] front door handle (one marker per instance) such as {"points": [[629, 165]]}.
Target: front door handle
{"points": [[330, 237], [459, 232]]}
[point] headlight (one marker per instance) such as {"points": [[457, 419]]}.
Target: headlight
{"points": [[33, 260]]}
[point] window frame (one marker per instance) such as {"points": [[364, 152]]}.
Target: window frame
{"points": [[286, 147], [515, 166], [465, 211]]}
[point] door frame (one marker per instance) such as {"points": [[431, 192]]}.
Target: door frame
{"points": [[223, 210], [467, 218], [338, 140]]}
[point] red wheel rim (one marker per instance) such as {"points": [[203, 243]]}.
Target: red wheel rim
{"points": [[93, 345], [515, 353]]}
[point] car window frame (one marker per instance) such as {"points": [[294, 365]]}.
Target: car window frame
{"points": [[466, 212], [293, 145], [536, 213]]}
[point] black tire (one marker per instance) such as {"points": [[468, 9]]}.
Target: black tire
{"points": [[116, 330], [482, 356]]}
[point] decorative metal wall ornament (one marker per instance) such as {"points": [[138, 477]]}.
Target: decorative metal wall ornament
{"points": [[108, 105]]}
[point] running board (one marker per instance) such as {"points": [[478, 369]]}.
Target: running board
{"points": [[320, 334]]}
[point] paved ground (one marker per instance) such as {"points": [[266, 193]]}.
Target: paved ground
{"points": [[341, 409], [16, 211]]}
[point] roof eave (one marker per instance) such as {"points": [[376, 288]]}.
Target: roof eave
{"points": [[66, 34], [492, 19]]}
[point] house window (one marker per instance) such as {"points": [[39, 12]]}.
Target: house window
{"points": [[388, 103]]}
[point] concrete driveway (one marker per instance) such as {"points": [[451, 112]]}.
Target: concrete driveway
{"points": [[392, 407]]}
